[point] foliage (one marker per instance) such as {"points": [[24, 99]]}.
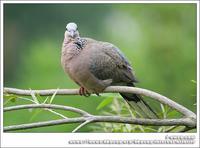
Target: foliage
{"points": [[112, 105], [121, 108]]}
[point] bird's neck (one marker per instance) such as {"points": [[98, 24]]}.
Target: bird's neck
{"points": [[71, 48], [67, 40]]}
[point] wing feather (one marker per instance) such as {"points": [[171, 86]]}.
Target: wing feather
{"points": [[111, 64]]}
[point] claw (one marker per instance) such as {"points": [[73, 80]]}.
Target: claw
{"points": [[97, 94], [84, 92], [80, 91]]}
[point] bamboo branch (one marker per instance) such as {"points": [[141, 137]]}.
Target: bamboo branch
{"points": [[88, 118], [115, 119], [113, 89], [51, 106], [189, 119]]}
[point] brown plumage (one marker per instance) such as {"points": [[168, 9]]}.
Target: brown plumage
{"points": [[94, 65]]}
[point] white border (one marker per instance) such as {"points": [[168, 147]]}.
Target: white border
{"points": [[1, 67], [61, 139], [105, 1]]}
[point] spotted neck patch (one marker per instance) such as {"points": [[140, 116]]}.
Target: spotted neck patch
{"points": [[80, 43]]}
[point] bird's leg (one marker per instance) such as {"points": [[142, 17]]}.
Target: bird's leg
{"points": [[97, 94], [83, 92]]}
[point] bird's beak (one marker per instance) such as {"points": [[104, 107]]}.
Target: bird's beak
{"points": [[72, 33]]}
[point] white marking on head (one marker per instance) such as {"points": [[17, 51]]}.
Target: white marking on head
{"points": [[71, 26]]}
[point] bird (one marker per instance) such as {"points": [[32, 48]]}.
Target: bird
{"points": [[95, 65]]}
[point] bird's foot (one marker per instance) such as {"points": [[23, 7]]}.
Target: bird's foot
{"points": [[84, 92], [97, 94]]}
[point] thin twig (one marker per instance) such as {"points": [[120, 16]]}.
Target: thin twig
{"points": [[51, 106], [170, 129], [186, 129], [56, 113], [81, 125]]}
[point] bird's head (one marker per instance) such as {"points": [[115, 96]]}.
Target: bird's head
{"points": [[71, 30]]}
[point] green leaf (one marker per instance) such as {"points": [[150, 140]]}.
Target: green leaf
{"points": [[53, 96], [177, 129], [39, 98], [8, 96], [35, 114], [104, 103], [46, 100], [9, 100], [193, 81]]}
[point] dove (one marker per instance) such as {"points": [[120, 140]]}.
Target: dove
{"points": [[95, 65]]}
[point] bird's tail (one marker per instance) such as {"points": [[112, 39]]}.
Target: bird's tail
{"points": [[139, 105]]}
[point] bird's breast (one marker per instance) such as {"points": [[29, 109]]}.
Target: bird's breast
{"points": [[75, 64]]}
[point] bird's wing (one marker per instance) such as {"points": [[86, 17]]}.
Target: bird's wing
{"points": [[110, 63]]}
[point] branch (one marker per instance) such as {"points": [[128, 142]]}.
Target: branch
{"points": [[92, 118], [51, 106], [113, 89], [45, 92], [81, 125]]}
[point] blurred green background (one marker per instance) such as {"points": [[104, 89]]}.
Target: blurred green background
{"points": [[158, 39]]}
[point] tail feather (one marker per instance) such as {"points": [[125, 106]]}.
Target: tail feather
{"points": [[139, 105]]}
